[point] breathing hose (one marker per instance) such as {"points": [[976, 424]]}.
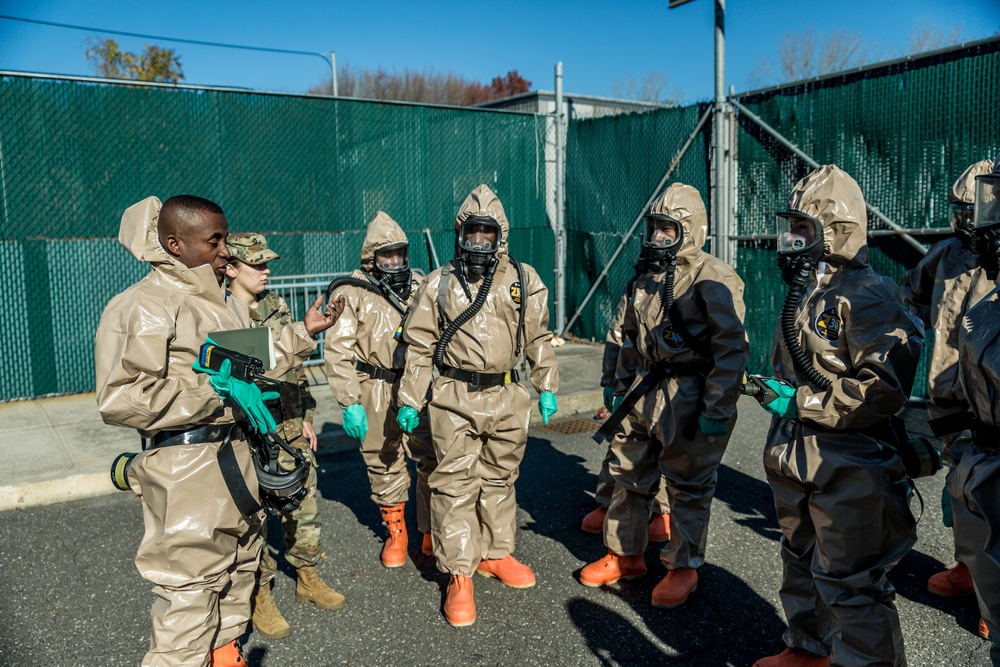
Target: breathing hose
{"points": [[788, 333], [351, 281], [465, 315], [667, 293]]}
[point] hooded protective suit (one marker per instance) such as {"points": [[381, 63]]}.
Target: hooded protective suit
{"points": [[365, 333], [975, 481], [940, 289], [479, 431], [198, 550], [663, 436], [612, 347], [833, 480]]}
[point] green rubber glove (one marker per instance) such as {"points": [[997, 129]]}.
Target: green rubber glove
{"points": [[609, 397], [356, 421], [712, 427], [946, 507], [784, 405], [547, 405], [246, 395], [407, 418], [616, 402]]}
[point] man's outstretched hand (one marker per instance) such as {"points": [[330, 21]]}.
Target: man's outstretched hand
{"points": [[317, 320]]}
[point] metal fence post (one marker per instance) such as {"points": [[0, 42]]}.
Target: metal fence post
{"points": [[720, 244], [560, 221]]}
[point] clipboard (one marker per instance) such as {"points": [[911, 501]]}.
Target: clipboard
{"points": [[255, 342]]}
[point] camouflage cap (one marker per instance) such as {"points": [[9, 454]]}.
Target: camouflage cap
{"points": [[250, 248]]}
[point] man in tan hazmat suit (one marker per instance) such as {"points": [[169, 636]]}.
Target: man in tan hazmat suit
{"points": [[940, 289], [593, 522], [247, 277], [974, 482], [684, 352], [845, 354], [200, 549], [364, 355], [474, 318]]}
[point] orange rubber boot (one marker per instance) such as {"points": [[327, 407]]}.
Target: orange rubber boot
{"points": [[427, 545], [952, 582], [508, 570], [983, 630], [227, 656], [793, 657], [613, 568], [674, 589], [394, 551], [659, 528], [594, 521], [459, 602]]}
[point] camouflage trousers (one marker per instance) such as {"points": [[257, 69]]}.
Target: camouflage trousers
{"points": [[300, 527]]}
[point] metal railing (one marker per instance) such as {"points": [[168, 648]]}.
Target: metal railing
{"points": [[300, 292]]}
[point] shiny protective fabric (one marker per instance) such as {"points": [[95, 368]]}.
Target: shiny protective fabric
{"points": [[975, 484], [842, 497], [301, 527], [197, 550], [709, 297], [479, 434], [612, 346], [366, 332]]}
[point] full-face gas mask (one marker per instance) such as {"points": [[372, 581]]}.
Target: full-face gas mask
{"points": [[961, 222], [986, 220], [800, 245], [478, 240], [663, 237], [392, 264]]}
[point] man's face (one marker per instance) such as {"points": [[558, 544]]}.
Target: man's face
{"points": [[480, 237], [391, 259], [202, 241]]}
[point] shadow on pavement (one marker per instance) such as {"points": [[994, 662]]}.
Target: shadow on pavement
{"points": [[750, 499]]}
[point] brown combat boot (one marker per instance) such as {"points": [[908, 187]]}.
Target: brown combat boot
{"points": [[267, 620], [459, 602], [227, 656], [310, 588], [394, 551]]}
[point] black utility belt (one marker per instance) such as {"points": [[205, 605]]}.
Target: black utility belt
{"points": [[478, 379], [194, 436], [378, 372], [676, 370], [986, 436]]}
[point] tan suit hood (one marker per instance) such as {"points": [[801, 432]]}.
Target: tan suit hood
{"points": [[483, 201], [382, 231], [684, 204], [964, 189], [831, 196]]}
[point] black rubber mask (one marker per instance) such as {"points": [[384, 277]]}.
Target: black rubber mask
{"points": [[397, 275], [800, 246], [479, 238], [663, 237]]}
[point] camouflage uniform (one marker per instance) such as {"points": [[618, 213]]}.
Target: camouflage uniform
{"points": [[296, 405]]}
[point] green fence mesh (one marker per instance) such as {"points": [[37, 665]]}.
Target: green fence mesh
{"points": [[310, 172], [904, 130]]}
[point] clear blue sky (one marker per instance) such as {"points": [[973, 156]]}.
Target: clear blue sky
{"points": [[598, 42]]}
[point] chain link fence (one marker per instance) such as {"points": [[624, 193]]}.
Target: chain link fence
{"points": [[309, 172]]}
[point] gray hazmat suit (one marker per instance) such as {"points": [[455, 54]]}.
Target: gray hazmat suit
{"points": [[198, 550], [841, 494], [366, 332], [663, 437], [479, 432]]}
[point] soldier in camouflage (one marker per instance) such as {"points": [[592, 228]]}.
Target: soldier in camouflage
{"points": [[247, 276]]}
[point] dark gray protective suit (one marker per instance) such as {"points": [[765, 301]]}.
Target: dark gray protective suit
{"points": [[841, 494]]}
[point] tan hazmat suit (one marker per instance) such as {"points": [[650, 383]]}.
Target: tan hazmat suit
{"points": [[366, 332], [198, 550], [612, 347], [479, 433], [841, 494], [940, 289], [975, 481], [663, 437]]}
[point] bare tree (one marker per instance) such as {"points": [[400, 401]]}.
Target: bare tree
{"points": [[649, 88], [428, 86], [155, 63], [930, 37], [810, 53]]}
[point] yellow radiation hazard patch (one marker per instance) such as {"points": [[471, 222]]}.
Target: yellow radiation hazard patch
{"points": [[828, 325], [515, 292], [413, 288]]}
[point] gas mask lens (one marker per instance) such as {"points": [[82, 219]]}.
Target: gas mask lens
{"points": [[392, 258], [987, 205], [480, 235], [961, 216], [663, 232], [796, 234]]}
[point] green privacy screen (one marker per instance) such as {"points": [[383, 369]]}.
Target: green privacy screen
{"points": [[904, 130], [308, 171]]}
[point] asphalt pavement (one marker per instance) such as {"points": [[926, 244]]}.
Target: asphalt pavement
{"points": [[72, 596]]}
